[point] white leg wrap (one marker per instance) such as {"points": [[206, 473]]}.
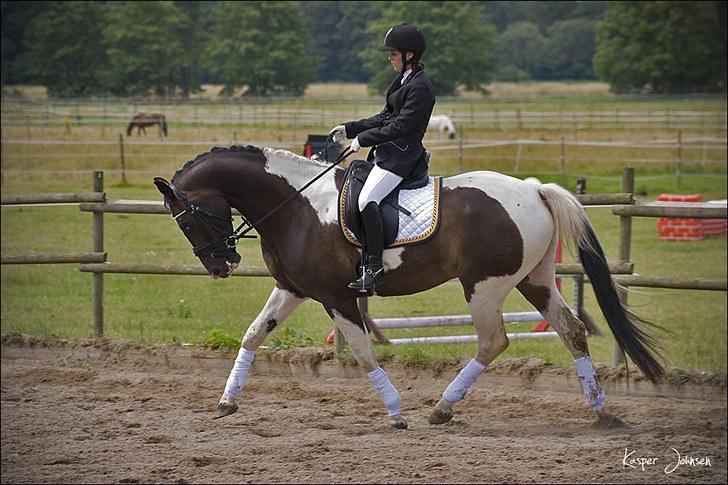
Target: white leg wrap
{"points": [[239, 375], [386, 390], [589, 383], [462, 382]]}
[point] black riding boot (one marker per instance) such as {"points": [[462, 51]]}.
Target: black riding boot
{"points": [[373, 271]]}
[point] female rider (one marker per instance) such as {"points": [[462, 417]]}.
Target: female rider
{"points": [[395, 137]]}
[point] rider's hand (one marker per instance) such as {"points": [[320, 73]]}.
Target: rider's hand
{"points": [[355, 147], [338, 133]]}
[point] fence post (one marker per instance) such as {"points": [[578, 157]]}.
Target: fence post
{"points": [[122, 162], [460, 152], [678, 160], [519, 150], [562, 157], [625, 240], [98, 235]]}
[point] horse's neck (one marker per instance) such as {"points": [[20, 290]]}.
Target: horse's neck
{"points": [[256, 188]]}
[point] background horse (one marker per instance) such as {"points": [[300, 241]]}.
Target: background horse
{"points": [[443, 125], [496, 233], [142, 120]]}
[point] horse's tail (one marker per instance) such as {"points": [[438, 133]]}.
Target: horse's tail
{"points": [[129, 128], [628, 329]]}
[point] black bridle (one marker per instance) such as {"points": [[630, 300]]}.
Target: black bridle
{"points": [[227, 245]]}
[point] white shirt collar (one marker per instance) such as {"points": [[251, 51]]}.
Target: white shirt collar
{"points": [[406, 75]]}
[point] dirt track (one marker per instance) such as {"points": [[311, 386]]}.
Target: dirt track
{"points": [[84, 414]]}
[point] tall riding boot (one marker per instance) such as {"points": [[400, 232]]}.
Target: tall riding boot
{"points": [[373, 271]]}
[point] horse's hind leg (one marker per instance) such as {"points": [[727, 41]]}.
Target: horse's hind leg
{"points": [[348, 320], [280, 304], [485, 300], [539, 288]]}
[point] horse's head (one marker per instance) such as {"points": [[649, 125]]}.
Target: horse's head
{"points": [[207, 223]]}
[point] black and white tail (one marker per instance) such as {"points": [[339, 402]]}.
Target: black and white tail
{"points": [[628, 329]]}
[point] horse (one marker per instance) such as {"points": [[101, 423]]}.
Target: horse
{"points": [[443, 125], [142, 120], [496, 233]]}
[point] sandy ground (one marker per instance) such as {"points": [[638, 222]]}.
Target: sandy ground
{"points": [[88, 414]]}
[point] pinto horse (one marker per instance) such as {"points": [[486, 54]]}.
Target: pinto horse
{"points": [[496, 233], [142, 120]]}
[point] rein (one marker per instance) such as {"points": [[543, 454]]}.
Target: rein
{"points": [[239, 235]]}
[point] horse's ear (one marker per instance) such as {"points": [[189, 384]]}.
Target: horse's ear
{"points": [[165, 188]]}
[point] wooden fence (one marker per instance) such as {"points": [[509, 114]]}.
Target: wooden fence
{"points": [[623, 205]]}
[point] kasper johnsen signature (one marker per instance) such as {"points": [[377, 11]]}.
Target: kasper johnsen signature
{"points": [[635, 462]]}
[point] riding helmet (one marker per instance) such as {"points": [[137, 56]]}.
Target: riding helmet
{"points": [[405, 38]]}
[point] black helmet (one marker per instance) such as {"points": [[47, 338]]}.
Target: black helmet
{"points": [[405, 38]]}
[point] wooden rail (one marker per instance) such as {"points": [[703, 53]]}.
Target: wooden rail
{"points": [[54, 258], [690, 210], [54, 198], [95, 262], [170, 269], [671, 282]]}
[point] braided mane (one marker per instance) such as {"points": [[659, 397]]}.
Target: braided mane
{"points": [[238, 149]]}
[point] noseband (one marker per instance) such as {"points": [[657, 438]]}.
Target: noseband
{"points": [[216, 247]]}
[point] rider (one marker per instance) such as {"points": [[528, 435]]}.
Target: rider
{"points": [[395, 135]]}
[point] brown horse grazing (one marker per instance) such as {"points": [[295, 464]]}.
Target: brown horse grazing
{"points": [[495, 233], [142, 120]]}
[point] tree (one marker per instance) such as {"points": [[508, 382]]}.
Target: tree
{"points": [[16, 19], [569, 49], [146, 48], [265, 46], [521, 49], [194, 40], [64, 52], [671, 47], [542, 14], [459, 46], [338, 31]]}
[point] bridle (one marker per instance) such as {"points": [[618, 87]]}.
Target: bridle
{"points": [[225, 246], [209, 221]]}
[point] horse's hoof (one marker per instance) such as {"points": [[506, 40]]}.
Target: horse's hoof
{"points": [[225, 409], [398, 422], [608, 421], [439, 416]]}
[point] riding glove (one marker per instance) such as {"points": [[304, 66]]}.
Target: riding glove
{"points": [[355, 147], [338, 133]]}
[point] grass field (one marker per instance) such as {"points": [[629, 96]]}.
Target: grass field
{"points": [[56, 300]]}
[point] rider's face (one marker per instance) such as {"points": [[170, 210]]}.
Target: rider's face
{"points": [[395, 58]]}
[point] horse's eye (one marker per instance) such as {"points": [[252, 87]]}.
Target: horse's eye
{"points": [[186, 228]]}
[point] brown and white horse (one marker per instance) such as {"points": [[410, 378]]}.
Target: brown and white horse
{"points": [[142, 120], [496, 233]]}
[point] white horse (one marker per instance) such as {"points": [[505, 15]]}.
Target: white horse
{"points": [[443, 125]]}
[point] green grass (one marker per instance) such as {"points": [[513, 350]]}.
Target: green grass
{"points": [[56, 300]]}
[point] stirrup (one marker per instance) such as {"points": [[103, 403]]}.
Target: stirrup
{"points": [[368, 279]]}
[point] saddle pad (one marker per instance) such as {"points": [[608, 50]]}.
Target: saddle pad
{"points": [[423, 221]]}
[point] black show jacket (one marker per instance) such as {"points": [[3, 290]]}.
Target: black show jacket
{"points": [[396, 133]]}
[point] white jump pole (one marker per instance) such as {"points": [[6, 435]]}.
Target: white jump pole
{"points": [[452, 320], [456, 339]]}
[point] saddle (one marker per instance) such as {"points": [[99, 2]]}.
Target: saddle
{"points": [[410, 214]]}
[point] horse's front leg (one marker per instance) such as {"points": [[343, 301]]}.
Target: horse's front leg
{"points": [[348, 320], [280, 304]]}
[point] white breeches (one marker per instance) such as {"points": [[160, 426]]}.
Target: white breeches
{"points": [[377, 186]]}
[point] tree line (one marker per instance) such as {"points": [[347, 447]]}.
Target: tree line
{"points": [[83, 48]]}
